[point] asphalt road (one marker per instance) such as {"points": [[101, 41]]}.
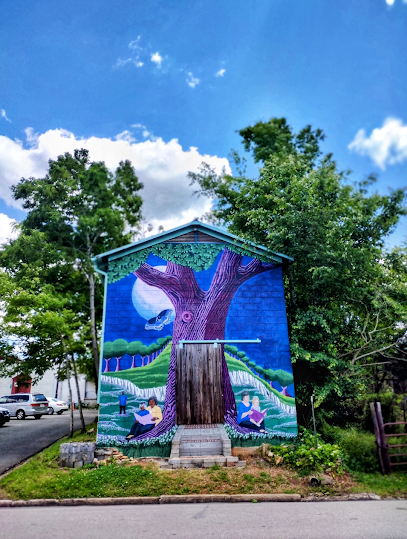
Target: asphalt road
{"points": [[20, 439], [315, 520]]}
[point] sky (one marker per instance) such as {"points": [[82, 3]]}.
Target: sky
{"points": [[167, 84]]}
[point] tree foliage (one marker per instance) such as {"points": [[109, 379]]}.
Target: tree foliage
{"points": [[346, 295], [78, 210]]}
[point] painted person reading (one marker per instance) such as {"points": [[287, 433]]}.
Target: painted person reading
{"points": [[244, 412], [257, 416], [145, 419]]}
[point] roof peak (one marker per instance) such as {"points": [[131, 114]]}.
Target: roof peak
{"points": [[194, 226]]}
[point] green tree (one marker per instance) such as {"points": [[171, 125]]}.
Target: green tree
{"points": [[108, 353], [251, 364], [46, 331], [271, 376], [78, 210], [119, 347], [133, 349], [284, 378], [259, 369], [344, 295], [143, 353]]}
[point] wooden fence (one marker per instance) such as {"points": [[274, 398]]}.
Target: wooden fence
{"points": [[383, 447]]}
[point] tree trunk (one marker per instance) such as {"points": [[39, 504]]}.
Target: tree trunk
{"points": [[56, 389], [118, 364], [285, 392], [291, 285], [68, 377], [95, 350], [83, 429]]}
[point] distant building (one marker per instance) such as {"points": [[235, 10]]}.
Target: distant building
{"points": [[51, 387]]}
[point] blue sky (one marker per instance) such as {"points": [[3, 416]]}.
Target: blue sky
{"points": [[167, 84]]}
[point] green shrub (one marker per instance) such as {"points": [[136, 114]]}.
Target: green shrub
{"points": [[304, 457], [358, 447]]}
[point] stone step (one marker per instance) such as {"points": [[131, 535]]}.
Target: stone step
{"points": [[203, 462], [200, 440], [199, 452]]}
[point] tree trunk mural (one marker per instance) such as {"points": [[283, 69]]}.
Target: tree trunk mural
{"points": [[200, 315]]}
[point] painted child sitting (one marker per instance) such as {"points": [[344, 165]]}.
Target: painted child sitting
{"points": [[256, 406]]}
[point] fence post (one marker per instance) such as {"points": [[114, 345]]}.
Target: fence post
{"points": [[383, 443], [377, 436], [313, 418]]}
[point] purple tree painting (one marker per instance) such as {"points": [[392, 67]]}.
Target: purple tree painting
{"points": [[200, 315]]}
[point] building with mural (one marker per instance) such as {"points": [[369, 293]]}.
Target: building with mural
{"points": [[194, 333]]}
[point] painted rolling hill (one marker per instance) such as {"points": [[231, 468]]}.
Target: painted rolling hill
{"points": [[142, 381]]}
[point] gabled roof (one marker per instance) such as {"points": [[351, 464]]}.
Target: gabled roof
{"points": [[183, 233]]}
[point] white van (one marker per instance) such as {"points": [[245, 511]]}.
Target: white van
{"points": [[21, 405]]}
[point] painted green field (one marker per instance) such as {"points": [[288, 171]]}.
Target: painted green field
{"points": [[155, 374], [236, 365]]}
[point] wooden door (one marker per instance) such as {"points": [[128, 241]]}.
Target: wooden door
{"points": [[199, 384]]}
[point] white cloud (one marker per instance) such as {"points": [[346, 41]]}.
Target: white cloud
{"points": [[125, 135], [138, 51], [161, 166], [122, 62], [220, 73], [157, 59], [135, 44], [145, 133], [4, 115], [386, 145], [6, 228], [192, 81], [389, 2]]}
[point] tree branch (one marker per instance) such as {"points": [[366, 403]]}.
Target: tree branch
{"points": [[368, 364], [373, 352], [255, 267], [154, 277], [227, 267]]}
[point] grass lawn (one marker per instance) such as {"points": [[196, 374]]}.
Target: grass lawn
{"points": [[41, 477], [384, 485]]}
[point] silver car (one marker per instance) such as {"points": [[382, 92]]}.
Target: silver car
{"points": [[21, 405], [56, 405]]}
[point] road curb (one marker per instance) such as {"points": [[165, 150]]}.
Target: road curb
{"points": [[193, 498]]}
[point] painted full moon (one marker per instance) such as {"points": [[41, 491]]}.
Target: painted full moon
{"points": [[148, 300]]}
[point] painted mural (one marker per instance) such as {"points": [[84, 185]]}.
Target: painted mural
{"points": [[169, 292]]}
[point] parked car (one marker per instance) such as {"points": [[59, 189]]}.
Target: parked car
{"points": [[4, 416], [55, 405], [21, 405]]}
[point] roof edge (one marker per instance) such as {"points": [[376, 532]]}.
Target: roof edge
{"points": [[194, 226]]}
